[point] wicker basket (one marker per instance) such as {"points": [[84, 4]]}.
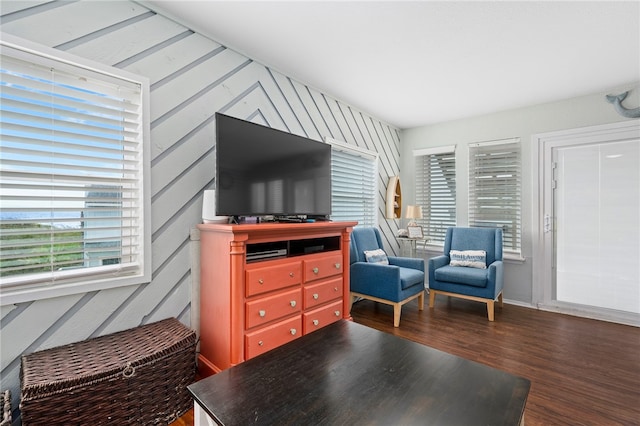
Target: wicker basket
{"points": [[137, 376], [5, 403]]}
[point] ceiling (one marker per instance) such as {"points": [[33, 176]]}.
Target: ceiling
{"points": [[414, 63]]}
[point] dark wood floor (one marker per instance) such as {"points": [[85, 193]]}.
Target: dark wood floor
{"points": [[582, 372]]}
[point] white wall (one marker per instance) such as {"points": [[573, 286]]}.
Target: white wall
{"points": [[525, 122]]}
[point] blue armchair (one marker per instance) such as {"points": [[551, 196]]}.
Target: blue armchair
{"points": [[462, 272], [395, 283]]}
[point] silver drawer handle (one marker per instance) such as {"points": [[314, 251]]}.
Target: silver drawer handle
{"points": [[337, 266], [262, 313], [261, 281], [293, 303], [337, 313], [315, 296], [293, 331], [260, 343], [291, 274], [316, 322], [315, 271], [335, 289]]}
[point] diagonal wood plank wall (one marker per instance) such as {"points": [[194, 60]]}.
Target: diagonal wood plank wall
{"points": [[191, 77]]}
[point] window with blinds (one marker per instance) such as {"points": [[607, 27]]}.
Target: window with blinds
{"points": [[495, 188], [71, 175], [353, 184], [435, 188]]}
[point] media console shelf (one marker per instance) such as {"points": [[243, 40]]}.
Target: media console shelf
{"points": [[264, 285]]}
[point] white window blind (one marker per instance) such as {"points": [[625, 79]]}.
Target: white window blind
{"points": [[353, 184], [71, 172], [495, 189], [436, 191]]}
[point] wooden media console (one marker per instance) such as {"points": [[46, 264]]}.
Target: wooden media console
{"points": [[297, 282]]}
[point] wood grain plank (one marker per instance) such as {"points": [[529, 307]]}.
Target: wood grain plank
{"points": [[298, 108], [281, 104], [33, 323], [327, 116], [179, 296], [165, 134], [8, 6], [192, 82], [255, 100], [177, 195], [126, 42], [173, 58], [72, 21], [167, 242], [88, 318], [312, 109], [183, 156], [341, 122], [150, 295]]}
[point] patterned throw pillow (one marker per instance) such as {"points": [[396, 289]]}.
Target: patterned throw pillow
{"points": [[376, 256], [470, 258]]}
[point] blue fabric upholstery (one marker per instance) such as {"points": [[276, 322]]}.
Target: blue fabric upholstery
{"points": [[402, 279], [464, 281]]}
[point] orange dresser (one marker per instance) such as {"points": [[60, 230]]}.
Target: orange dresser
{"points": [[263, 285]]}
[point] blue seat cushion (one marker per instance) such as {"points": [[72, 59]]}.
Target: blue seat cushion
{"points": [[462, 275], [410, 277]]}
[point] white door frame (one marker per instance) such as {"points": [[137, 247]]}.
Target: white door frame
{"points": [[543, 222]]}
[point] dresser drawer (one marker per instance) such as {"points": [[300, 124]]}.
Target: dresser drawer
{"points": [[318, 318], [265, 339], [322, 266], [318, 294], [261, 280], [267, 309]]}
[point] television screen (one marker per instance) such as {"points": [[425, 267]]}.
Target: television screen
{"points": [[263, 171]]}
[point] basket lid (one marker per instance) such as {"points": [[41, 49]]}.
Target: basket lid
{"points": [[97, 358]]}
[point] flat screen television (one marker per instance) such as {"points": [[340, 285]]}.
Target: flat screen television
{"points": [[261, 171]]}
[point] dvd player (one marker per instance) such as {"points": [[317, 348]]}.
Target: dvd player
{"points": [[266, 254]]}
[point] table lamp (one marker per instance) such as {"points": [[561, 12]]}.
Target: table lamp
{"points": [[413, 213]]}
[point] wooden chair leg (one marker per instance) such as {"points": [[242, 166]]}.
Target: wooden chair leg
{"points": [[352, 299], [432, 298], [490, 309], [397, 309], [421, 302], [500, 301]]}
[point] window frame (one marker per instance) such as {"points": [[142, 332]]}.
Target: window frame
{"points": [[367, 155], [17, 290]]}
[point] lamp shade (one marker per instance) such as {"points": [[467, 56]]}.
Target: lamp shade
{"points": [[414, 212]]}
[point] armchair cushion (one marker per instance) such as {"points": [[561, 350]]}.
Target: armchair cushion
{"points": [[410, 277], [385, 281], [468, 276], [376, 256]]}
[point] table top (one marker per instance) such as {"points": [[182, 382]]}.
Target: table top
{"points": [[347, 373]]}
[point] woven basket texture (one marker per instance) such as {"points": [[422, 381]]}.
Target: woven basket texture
{"points": [[137, 376], [5, 403]]}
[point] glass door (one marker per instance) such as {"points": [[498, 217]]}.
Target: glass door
{"points": [[596, 206]]}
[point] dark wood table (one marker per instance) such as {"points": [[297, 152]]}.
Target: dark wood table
{"points": [[349, 374]]}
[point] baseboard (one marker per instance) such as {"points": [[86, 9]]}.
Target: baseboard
{"points": [[519, 303], [600, 314]]}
